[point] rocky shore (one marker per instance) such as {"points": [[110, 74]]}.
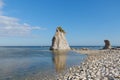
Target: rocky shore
{"points": [[99, 65]]}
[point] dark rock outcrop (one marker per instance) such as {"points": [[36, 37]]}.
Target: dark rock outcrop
{"points": [[107, 44]]}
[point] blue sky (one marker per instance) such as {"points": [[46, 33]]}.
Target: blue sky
{"points": [[33, 22]]}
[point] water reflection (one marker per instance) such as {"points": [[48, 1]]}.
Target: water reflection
{"points": [[59, 60], [35, 63]]}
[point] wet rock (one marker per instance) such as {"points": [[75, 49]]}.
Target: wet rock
{"points": [[84, 49]]}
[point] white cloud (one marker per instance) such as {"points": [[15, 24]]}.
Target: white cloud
{"points": [[10, 26]]}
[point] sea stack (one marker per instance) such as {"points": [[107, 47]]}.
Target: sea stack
{"points": [[59, 41], [107, 44]]}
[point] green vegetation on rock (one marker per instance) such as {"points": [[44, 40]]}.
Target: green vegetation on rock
{"points": [[61, 30]]}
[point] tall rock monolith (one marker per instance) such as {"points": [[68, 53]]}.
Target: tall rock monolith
{"points": [[59, 41]]}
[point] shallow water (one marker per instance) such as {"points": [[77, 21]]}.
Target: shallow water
{"points": [[29, 63]]}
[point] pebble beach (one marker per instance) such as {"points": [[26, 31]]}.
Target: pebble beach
{"points": [[99, 65]]}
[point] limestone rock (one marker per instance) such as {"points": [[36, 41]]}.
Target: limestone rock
{"points": [[107, 44], [59, 41]]}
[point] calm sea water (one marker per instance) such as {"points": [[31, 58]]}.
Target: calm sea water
{"points": [[35, 62]]}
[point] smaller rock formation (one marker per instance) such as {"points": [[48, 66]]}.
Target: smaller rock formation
{"points": [[59, 41], [107, 44]]}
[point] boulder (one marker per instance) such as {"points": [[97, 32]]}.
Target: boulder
{"points": [[107, 44], [59, 41]]}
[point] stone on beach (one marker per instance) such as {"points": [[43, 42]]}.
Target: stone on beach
{"points": [[104, 65], [59, 41], [107, 44]]}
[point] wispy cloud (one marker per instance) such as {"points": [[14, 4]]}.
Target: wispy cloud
{"points": [[10, 26]]}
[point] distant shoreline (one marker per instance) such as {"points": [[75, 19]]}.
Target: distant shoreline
{"points": [[70, 46]]}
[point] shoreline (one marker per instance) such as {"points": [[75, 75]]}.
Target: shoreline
{"points": [[99, 65]]}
